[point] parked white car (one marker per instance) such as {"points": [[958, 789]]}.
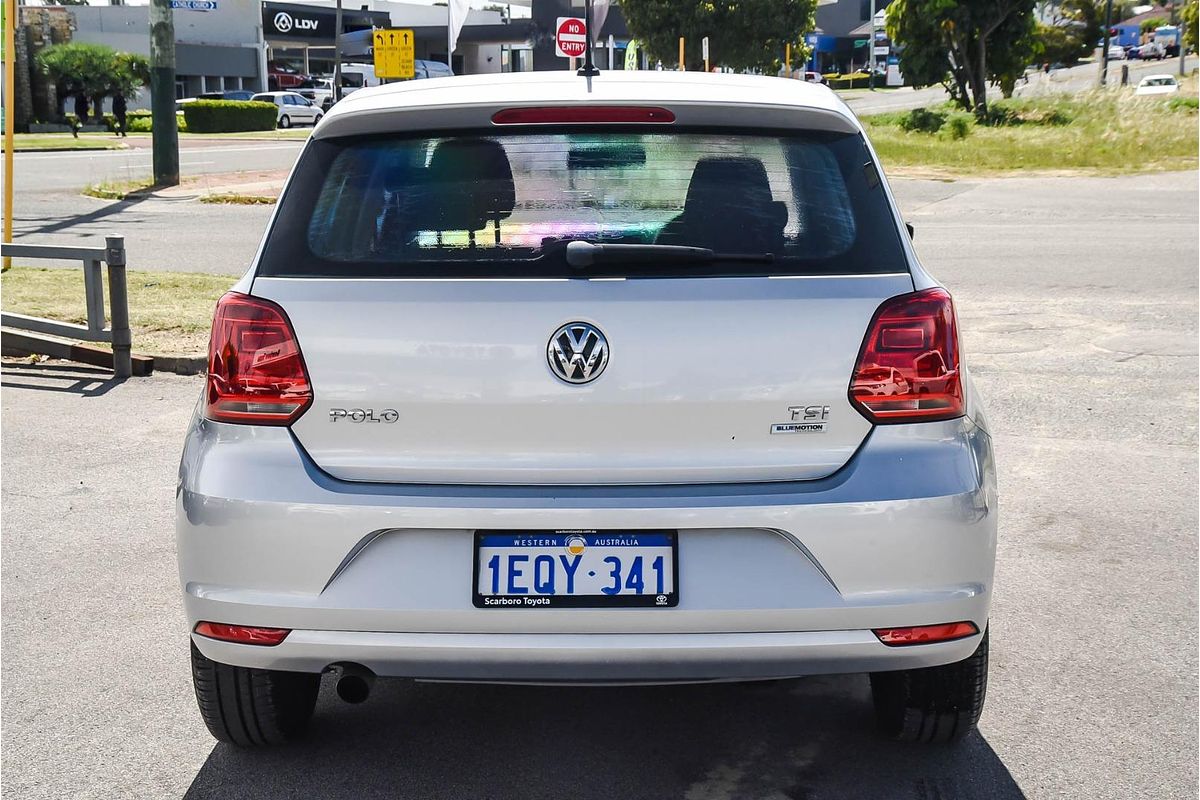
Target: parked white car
{"points": [[1116, 53], [1157, 84], [293, 109], [617, 380]]}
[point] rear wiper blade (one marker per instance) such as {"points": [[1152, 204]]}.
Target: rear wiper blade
{"points": [[586, 254]]}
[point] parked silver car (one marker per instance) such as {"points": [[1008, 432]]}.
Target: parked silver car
{"points": [[623, 380], [293, 109]]}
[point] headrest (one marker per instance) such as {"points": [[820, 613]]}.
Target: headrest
{"points": [[725, 181], [472, 182]]}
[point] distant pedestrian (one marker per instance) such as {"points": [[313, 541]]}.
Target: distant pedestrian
{"points": [[119, 111], [81, 112]]}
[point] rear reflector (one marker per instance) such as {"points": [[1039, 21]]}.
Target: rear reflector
{"points": [[560, 115], [908, 368], [242, 634], [256, 373], [926, 634]]}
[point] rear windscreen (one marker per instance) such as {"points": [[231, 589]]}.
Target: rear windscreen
{"points": [[506, 205]]}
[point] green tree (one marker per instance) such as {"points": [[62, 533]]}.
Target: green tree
{"points": [[964, 44], [742, 34], [94, 69], [1149, 25], [1189, 16], [1061, 44]]}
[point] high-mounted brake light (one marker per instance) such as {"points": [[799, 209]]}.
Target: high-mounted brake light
{"points": [[563, 115], [908, 368], [256, 373], [926, 634], [242, 634]]}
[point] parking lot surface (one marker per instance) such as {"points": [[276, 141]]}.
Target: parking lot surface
{"points": [[1078, 301]]}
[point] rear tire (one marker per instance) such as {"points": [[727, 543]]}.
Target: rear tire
{"points": [[285, 122], [933, 704], [253, 707]]}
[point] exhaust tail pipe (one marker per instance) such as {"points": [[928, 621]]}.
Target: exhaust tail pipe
{"points": [[355, 683]]}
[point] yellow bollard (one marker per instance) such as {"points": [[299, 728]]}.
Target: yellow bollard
{"points": [[681, 66]]}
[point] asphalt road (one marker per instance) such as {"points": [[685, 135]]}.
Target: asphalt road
{"points": [[1078, 300], [1076, 79]]}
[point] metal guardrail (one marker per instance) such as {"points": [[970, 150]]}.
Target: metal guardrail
{"points": [[118, 334]]}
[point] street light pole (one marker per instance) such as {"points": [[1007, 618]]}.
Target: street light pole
{"points": [[871, 50], [10, 107], [337, 53], [1104, 47], [162, 94]]}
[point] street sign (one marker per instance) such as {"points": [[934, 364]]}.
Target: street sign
{"points": [[194, 5], [861, 42], [704, 48], [882, 50], [394, 53], [570, 37]]}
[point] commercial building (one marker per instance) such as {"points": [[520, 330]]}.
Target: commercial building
{"points": [[846, 41], [218, 43]]}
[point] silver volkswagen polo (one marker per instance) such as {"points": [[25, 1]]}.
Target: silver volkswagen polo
{"points": [[634, 379]]}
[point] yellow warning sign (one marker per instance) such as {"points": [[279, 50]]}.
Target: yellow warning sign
{"points": [[394, 53]]}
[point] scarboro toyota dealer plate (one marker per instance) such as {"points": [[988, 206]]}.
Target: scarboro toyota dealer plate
{"points": [[576, 568]]}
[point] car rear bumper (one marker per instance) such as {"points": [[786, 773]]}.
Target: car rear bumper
{"points": [[775, 579], [589, 658]]}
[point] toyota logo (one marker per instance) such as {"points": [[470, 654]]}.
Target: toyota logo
{"points": [[577, 353], [283, 22]]}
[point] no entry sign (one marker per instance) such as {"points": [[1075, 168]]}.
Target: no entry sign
{"points": [[570, 38]]}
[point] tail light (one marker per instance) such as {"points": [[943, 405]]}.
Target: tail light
{"points": [[242, 634], [256, 373], [561, 115], [926, 634], [908, 369]]}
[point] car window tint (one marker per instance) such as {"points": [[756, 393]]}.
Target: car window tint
{"points": [[506, 205]]}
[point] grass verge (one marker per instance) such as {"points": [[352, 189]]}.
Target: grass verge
{"points": [[230, 198], [32, 142], [170, 312], [1105, 132], [118, 190]]}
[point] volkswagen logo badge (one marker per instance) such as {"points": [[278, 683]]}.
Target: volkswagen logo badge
{"points": [[283, 22], [577, 353]]}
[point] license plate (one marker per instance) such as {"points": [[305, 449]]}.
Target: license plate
{"points": [[576, 568]]}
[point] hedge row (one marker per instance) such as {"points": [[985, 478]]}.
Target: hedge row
{"points": [[228, 116]]}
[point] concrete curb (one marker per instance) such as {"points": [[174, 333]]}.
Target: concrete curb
{"points": [[21, 343]]}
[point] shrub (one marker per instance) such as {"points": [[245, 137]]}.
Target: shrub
{"points": [[958, 126], [141, 121], [227, 116], [923, 120], [1184, 103], [1030, 112]]}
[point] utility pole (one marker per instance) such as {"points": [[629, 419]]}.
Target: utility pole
{"points": [[10, 107], [337, 52], [162, 94], [1104, 46]]}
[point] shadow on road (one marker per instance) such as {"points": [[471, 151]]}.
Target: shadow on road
{"points": [[789, 740], [54, 225], [71, 378]]}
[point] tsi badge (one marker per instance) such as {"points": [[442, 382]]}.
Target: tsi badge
{"points": [[363, 415], [805, 419]]}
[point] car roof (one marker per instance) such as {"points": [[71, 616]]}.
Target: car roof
{"points": [[1158, 77], [697, 98]]}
